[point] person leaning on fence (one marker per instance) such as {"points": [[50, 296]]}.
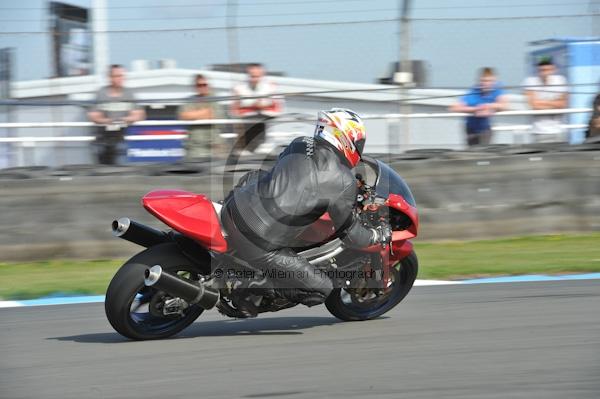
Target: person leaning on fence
{"points": [[114, 109], [204, 141], [593, 132], [547, 91], [482, 101], [254, 100]]}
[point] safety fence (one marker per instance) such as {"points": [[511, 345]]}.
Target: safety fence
{"points": [[21, 142]]}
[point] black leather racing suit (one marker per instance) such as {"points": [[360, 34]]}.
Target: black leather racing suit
{"points": [[265, 216]]}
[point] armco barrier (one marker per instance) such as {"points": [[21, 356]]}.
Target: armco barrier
{"points": [[503, 191]]}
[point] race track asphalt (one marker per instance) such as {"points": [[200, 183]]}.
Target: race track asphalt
{"points": [[520, 340]]}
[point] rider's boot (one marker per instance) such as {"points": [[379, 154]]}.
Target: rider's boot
{"points": [[248, 294], [246, 307], [304, 297], [302, 282]]}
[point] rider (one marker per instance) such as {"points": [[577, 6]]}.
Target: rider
{"points": [[265, 214]]}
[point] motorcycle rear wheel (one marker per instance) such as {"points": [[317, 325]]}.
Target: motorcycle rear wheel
{"points": [[128, 300], [403, 277]]}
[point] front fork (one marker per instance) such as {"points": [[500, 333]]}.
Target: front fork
{"points": [[379, 268], [391, 257]]}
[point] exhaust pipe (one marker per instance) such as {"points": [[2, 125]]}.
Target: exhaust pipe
{"points": [[175, 286], [137, 233]]}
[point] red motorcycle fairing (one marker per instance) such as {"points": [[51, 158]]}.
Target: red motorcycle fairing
{"points": [[323, 228], [400, 245], [401, 249], [193, 215], [398, 202]]}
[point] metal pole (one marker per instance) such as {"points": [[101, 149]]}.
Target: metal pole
{"points": [[232, 40], [405, 66], [99, 26], [594, 7], [405, 31], [7, 151]]}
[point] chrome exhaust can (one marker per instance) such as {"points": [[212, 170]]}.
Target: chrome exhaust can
{"points": [[138, 233]]}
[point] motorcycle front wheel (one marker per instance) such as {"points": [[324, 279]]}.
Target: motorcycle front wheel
{"points": [[349, 305], [133, 309]]}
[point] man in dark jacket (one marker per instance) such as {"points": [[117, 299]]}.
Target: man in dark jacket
{"points": [[593, 131], [312, 176]]}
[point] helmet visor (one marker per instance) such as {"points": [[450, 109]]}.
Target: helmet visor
{"points": [[360, 145]]}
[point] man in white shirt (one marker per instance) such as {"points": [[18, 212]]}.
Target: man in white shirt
{"points": [[255, 101], [547, 91]]}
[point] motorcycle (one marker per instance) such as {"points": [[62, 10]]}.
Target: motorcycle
{"points": [[192, 267]]}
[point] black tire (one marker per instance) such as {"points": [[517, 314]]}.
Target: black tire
{"points": [[404, 278], [128, 282]]}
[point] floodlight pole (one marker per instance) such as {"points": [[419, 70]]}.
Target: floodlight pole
{"points": [[99, 28], [404, 66], [405, 30], [232, 39], [594, 7]]}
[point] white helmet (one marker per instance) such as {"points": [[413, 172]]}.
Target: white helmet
{"points": [[344, 130]]}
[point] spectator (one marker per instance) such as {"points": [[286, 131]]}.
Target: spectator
{"points": [[482, 101], [114, 109], [203, 140], [594, 125], [255, 101], [547, 91]]}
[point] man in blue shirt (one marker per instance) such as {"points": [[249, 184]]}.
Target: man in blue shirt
{"points": [[481, 102]]}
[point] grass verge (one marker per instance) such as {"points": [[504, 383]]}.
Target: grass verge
{"points": [[551, 254], [548, 254]]}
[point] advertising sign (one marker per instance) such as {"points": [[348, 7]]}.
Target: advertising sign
{"points": [[149, 150]]}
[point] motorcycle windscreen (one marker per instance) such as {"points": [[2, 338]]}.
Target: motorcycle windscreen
{"points": [[390, 182]]}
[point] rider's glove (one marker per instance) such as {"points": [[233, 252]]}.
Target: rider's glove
{"points": [[382, 234]]}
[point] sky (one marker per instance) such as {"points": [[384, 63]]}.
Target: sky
{"points": [[330, 49]]}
